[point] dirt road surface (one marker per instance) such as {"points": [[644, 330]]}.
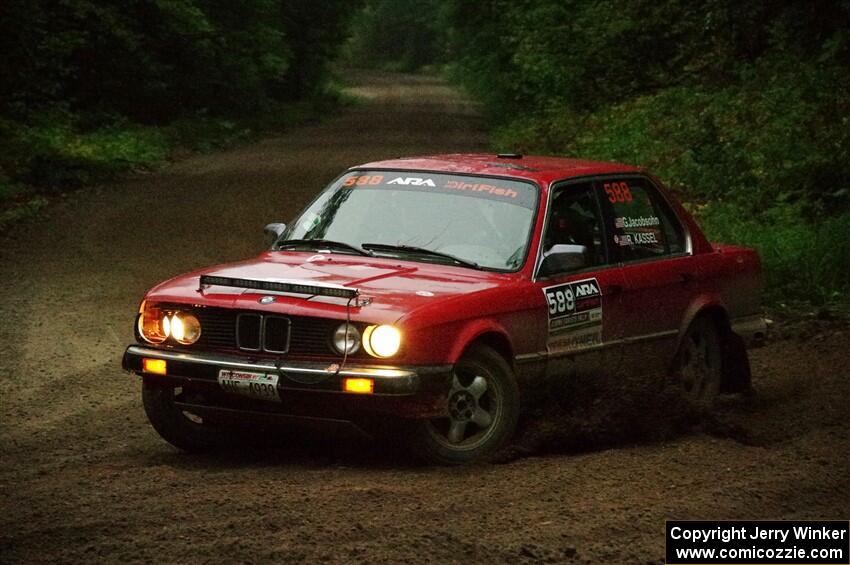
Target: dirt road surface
{"points": [[84, 478]]}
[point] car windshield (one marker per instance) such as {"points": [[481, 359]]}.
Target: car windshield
{"points": [[476, 221]]}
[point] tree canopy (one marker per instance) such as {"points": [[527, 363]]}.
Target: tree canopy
{"points": [[152, 61]]}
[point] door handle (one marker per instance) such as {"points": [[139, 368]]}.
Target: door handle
{"points": [[685, 278], [614, 289]]}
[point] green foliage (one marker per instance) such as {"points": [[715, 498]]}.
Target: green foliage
{"points": [[782, 142], [56, 153], [53, 152], [22, 210], [154, 61], [744, 106], [398, 35], [90, 89], [802, 260]]}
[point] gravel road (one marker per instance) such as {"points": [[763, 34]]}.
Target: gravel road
{"points": [[84, 478]]}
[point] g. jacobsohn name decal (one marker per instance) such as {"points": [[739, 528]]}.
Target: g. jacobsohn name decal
{"points": [[758, 542]]}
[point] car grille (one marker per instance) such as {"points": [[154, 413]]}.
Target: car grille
{"points": [[224, 329]]}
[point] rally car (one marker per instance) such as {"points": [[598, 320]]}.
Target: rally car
{"points": [[424, 295]]}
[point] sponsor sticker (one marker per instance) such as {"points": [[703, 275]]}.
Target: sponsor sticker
{"points": [[412, 181], [638, 222], [578, 340], [574, 314], [515, 192], [639, 230]]}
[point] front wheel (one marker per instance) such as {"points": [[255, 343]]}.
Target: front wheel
{"points": [[181, 428], [483, 409]]}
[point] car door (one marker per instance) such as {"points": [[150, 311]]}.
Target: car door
{"points": [[659, 273], [583, 298]]}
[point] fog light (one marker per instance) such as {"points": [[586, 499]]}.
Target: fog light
{"points": [[155, 366], [346, 339], [358, 385]]}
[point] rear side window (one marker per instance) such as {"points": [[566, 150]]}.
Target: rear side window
{"points": [[642, 224]]}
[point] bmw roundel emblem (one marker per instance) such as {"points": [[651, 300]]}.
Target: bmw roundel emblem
{"points": [[266, 300]]}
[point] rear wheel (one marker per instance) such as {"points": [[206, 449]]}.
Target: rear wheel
{"points": [[483, 408], [699, 363], [178, 426]]}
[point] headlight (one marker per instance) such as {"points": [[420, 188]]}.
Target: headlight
{"points": [[346, 339], [381, 341], [185, 328], [156, 325]]}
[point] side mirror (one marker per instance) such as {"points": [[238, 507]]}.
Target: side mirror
{"points": [[273, 232], [563, 258]]}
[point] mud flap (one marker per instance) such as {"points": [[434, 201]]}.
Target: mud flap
{"points": [[736, 365]]}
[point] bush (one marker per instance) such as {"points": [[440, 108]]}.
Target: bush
{"points": [[83, 83], [89, 89], [55, 154], [802, 260], [743, 109], [397, 35], [153, 62]]}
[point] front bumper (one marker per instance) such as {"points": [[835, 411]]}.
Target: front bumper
{"points": [[423, 382]]}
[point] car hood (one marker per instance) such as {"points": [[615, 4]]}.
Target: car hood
{"points": [[389, 288]]}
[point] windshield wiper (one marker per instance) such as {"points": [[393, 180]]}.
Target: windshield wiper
{"points": [[421, 251], [321, 243]]}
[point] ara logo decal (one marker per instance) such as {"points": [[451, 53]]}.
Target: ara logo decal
{"points": [[586, 289], [412, 181]]}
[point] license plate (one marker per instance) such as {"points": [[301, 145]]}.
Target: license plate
{"points": [[254, 385]]}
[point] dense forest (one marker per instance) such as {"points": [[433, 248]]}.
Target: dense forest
{"points": [[89, 88], [743, 108]]}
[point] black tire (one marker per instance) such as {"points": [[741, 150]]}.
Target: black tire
{"points": [[180, 428], [699, 363], [484, 390]]}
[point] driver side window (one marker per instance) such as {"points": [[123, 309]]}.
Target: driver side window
{"points": [[573, 239]]}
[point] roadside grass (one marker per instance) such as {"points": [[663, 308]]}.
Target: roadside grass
{"points": [[56, 151]]}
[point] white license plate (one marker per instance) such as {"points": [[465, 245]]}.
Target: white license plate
{"points": [[255, 385]]}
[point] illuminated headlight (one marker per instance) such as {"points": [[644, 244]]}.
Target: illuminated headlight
{"points": [[346, 339], [381, 341], [156, 325], [185, 328]]}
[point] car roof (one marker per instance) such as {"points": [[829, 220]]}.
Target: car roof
{"points": [[538, 168]]}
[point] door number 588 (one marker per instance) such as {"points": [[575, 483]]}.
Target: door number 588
{"points": [[561, 301]]}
